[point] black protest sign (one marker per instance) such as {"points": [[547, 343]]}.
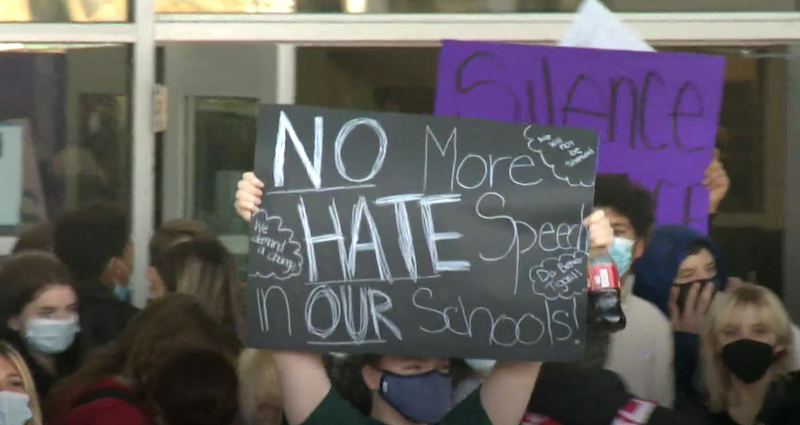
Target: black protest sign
{"points": [[417, 235]]}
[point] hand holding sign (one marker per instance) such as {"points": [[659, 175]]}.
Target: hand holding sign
{"points": [[248, 195], [717, 182]]}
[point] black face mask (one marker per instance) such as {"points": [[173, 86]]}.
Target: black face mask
{"points": [[748, 360], [685, 288]]}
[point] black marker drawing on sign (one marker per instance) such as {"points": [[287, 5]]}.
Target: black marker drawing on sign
{"points": [[606, 92], [395, 265], [647, 109], [276, 244]]}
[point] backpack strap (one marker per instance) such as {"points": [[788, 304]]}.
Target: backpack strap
{"points": [[108, 392]]}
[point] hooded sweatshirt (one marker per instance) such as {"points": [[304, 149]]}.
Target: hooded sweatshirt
{"points": [[655, 272]]}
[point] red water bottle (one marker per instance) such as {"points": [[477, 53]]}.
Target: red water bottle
{"points": [[605, 301]]}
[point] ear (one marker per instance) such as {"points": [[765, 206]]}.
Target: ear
{"points": [[372, 377], [152, 274], [638, 247], [14, 323]]}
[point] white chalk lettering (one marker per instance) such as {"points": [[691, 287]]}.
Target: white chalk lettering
{"points": [[383, 143], [314, 170], [360, 213], [312, 240], [405, 239], [432, 237]]}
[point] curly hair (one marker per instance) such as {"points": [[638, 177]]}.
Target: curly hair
{"points": [[174, 323], [626, 198]]}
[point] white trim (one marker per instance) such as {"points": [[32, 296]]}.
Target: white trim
{"points": [[6, 245], [67, 33], [428, 29], [144, 147]]}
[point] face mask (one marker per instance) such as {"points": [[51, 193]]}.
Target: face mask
{"points": [[621, 252], [748, 360], [121, 287], [481, 366], [121, 292], [50, 336], [14, 409], [685, 288], [422, 398]]}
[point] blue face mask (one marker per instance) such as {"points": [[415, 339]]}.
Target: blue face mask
{"points": [[14, 408], [121, 292], [481, 366], [49, 336], [621, 252], [422, 398]]}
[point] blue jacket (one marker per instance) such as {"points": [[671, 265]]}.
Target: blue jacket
{"points": [[655, 272]]}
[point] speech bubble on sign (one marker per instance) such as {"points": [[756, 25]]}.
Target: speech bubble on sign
{"points": [[279, 253], [563, 157], [562, 277]]}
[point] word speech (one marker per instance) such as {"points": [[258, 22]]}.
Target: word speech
{"points": [[655, 114], [419, 235]]}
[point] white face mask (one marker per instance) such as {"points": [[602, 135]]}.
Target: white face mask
{"points": [[481, 366], [50, 336], [14, 408]]}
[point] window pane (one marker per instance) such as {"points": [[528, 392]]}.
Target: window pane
{"points": [[63, 11], [752, 138], [459, 6], [64, 131]]}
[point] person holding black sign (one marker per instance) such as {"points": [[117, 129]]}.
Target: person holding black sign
{"points": [[404, 390]]}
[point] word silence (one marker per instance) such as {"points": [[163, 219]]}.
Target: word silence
{"points": [[655, 113], [419, 235]]}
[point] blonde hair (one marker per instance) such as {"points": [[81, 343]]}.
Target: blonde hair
{"points": [[259, 390], [203, 267], [27, 381], [716, 378]]}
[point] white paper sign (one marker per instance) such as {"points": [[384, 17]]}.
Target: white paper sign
{"points": [[10, 174], [597, 27]]}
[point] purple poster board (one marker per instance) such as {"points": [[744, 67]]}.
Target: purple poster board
{"points": [[655, 113]]}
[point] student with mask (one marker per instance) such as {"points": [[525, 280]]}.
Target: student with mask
{"points": [[679, 272], [642, 352], [19, 403], [39, 316], [94, 242], [746, 346], [403, 390]]}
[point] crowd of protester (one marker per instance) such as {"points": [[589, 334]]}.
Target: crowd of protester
{"points": [[700, 347]]}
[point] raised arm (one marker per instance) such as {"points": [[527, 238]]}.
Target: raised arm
{"points": [[507, 390], [303, 380], [304, 384]]}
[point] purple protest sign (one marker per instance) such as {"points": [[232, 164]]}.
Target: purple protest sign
{"points": [[655, 113]]}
